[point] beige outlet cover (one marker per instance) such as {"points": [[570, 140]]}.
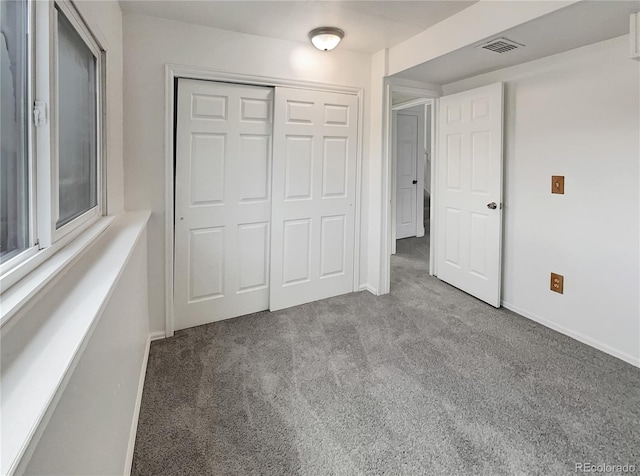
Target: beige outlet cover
{"points": [[557, 184]]}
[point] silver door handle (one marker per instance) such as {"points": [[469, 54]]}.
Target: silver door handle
{"points": [[492, 205]]}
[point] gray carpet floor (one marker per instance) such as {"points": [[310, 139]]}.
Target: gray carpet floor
{"points": [[425, 380]]}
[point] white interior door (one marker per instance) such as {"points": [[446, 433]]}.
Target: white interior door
{"points": [[314, 185], [469, 192], [223, 201], [407, 147]]}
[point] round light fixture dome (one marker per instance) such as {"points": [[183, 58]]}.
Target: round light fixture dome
{"points": [[326, 38]]}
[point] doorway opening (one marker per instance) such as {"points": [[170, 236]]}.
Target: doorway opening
{"points": [[411, 154], [465, 245]]}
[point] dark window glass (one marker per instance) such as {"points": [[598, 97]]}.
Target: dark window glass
{"points": [[77, 124]]}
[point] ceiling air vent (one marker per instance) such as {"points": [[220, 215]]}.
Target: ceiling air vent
{"points": [[501, 45]]}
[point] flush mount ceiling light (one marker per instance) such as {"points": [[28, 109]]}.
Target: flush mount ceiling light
{"points": [[326, 38]]}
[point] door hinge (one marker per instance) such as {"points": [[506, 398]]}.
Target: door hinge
{"points": [[39, 113]]}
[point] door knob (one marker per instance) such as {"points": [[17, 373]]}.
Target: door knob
{"points": [[492, 205], [415, 182]]}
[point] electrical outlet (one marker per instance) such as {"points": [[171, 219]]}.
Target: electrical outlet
{"points": [[557, 184], [557, 283]]}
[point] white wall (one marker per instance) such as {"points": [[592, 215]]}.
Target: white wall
{"points": [[574, 114], [377, 203], [89, 430], [150, 43]]}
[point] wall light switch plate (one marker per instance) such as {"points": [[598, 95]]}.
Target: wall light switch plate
{"points": [[557, 184], [557, 283]]}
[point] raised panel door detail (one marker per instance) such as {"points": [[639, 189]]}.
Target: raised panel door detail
{"points": [[332, 236], [408, 149], [480, 161], [336, 115], [298, 167], [334, 167], [406, 206], [207, 168], [454, 161], [452, 237], [478, 251], [206, 265], [205, 106], [296, 251], [480, 108], [253, 250], [454, 113], [299, 112], [255, 110], [407, 125], [255, 162]]}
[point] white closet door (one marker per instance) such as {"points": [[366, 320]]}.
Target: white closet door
{"points": [[223, 201], [314, 185], [470, 191]]}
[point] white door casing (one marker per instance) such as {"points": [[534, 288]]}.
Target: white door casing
{"points": [[469, 185], [222, 201], [428, 152], [314, 188], [407, 149]]}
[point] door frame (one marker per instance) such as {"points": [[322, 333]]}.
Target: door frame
{"points": [[387, 232], [175, 71], [420, 231]]}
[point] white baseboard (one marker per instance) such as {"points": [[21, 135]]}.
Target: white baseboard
{"points": [[136, 411], [157, 335], [574, 335], [368, 287]]}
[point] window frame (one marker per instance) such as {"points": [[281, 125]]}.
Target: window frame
{"points": [[44, 237], [78, 23]]}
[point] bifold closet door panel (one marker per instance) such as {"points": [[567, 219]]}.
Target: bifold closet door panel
{"points": [[222, 201], [314, 196]]}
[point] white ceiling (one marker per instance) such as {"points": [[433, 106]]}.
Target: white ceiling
{"points": [[373, 25], [369, 26], [577, 25]]}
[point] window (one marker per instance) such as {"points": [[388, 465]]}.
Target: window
{"points": [[77, 132], [51, 127], [14, 134]]}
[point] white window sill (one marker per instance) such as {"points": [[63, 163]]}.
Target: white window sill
{"points": [[47, 264], [48, 331]]}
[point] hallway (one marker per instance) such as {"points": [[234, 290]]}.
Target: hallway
{"points": [[411, 260]]}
